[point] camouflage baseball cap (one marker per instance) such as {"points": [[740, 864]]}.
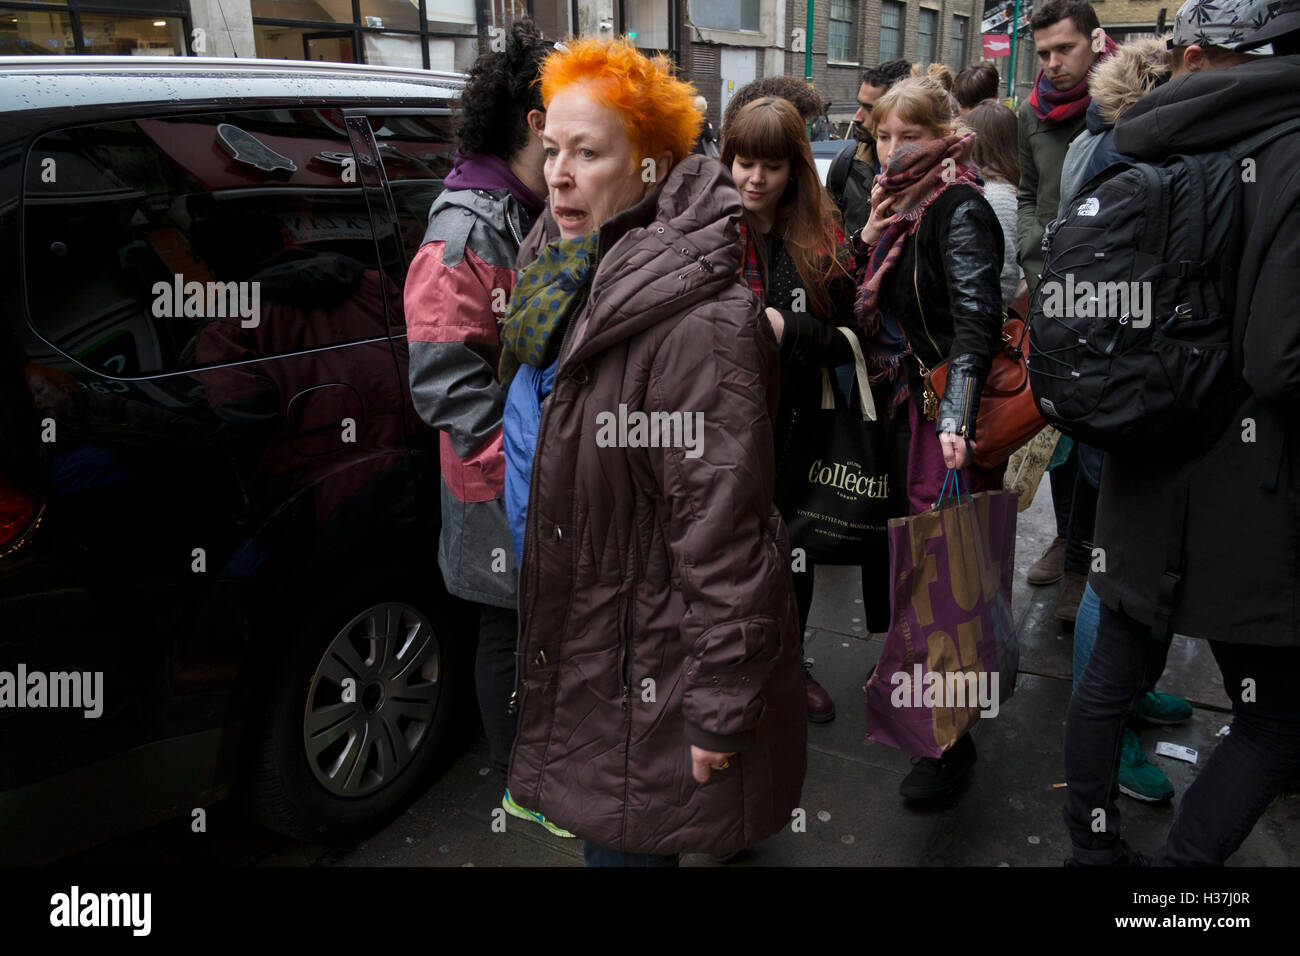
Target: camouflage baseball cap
{"points": [[1233, 24]]}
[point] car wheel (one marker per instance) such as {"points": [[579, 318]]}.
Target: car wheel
{"points": [[361, 718]]}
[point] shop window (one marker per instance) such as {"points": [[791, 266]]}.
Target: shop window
{"points": [[450, 16], [35, 32], [303, 43], [648, 19], [452, 54], [725, 14], [338, 11], [390, 15], [393, 49], [120, 35]]}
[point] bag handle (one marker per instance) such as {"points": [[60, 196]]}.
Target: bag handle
{"points": [[955, 477], [866, 400]]}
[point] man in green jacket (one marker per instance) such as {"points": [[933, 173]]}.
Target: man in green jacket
{"points": [[1069, 40]]}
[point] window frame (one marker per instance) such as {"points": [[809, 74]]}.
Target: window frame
{"points": [[957, 49], [74, 12], [358, 30], [851, 23], [898, 31], [923, 15]]}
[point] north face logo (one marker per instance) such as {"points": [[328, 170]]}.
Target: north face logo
{"points": [[1090, 207]]}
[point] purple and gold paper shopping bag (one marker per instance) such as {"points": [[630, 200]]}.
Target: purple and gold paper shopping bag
{"points": [[951, 654]]}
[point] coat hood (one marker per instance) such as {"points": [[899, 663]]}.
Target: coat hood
{"points": [[1123, 78], [677, 247], [484, 171], [1211, 109], [493, 210]]}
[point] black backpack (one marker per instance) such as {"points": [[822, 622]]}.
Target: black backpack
{"points": [[849, 190], [1131, 336]]}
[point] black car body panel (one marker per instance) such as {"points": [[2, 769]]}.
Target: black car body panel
{"points": [[200, 464]]}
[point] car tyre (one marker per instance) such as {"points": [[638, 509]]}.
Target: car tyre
{"points": [[332, 760]]}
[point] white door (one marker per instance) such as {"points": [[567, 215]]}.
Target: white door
{"points": [[738, 67]]}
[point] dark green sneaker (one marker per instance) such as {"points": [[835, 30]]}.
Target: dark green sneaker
{"points": [[1139, 778], [1158, 708]]}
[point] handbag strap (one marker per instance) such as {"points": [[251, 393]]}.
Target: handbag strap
{"points": [[866, 401]]}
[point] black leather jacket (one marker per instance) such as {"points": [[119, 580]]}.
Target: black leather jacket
{"points": [[959, 315]]}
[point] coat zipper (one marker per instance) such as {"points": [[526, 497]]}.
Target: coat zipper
{"points": [[701, 264], [626, 614]]}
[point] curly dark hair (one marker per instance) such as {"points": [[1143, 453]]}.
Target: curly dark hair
{"points": [[792, 88], [887, 74], [502, 89]]}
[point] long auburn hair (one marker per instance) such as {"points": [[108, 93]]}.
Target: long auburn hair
{"points": [[995, 150], [771, 129]]}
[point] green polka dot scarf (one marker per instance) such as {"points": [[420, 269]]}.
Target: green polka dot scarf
{"points": [[544, 294]]}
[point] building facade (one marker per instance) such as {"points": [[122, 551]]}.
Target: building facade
{"points": [[720, 45], [427, 34]]}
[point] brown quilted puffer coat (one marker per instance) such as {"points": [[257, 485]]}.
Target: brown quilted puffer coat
{"points": [[656, 597]]}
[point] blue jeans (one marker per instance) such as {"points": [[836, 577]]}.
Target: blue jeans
{"points": [[1085, 631], [602, 856], [1241, 778]]}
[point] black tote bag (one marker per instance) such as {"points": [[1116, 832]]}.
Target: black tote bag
{"points": [[834, 485]]}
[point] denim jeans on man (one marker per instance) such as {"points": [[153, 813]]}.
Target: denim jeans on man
{"points": [[1246, 771], [603, 856]]}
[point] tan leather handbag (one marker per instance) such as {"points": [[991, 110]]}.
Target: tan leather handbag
{"points": [[1008, 416]]}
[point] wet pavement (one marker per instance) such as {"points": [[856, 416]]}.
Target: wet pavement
{"points": [[1008, 814]]}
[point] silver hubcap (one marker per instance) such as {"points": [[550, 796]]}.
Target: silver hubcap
{"points": [[372, 700]]}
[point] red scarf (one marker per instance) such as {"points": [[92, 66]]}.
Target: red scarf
{"points": [[920, 175], [1054, 106], [750, 268]]}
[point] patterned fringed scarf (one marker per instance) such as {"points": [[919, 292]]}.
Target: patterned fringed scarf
{"points": [[544, 294], [920, 175]]}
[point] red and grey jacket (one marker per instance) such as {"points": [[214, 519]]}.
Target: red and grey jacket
{"points": [[458, 285]]}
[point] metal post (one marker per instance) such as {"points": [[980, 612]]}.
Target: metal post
{"points": [[807, 44], [1015, 31]]}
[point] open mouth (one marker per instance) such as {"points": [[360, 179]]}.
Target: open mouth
{"points": [[568, 216]]}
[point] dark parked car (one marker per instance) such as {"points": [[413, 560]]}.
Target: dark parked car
{"points": [[824, 153], [218, 508]]}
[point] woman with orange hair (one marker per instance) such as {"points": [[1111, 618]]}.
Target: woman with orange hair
{"points": [[661, 705]]}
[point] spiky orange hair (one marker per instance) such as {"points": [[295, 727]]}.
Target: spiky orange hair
{"points": [[656, 106]]}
